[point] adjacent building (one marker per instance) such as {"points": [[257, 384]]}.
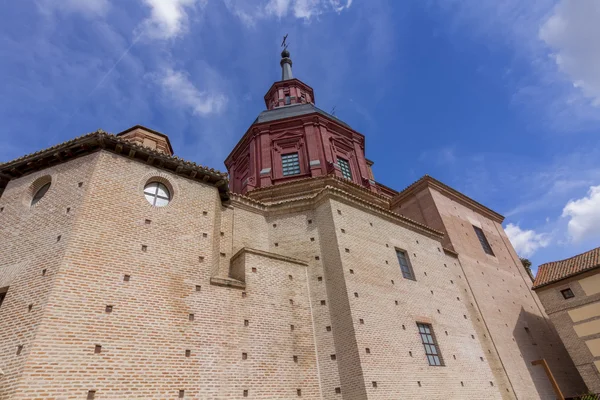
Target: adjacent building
{"points": [[129, 273], [570, 292]]}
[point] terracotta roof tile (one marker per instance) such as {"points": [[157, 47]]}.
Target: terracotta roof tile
{"points": [[557, 270]]}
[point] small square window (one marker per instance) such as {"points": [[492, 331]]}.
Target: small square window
{"points": [[290, 164], [567, 293], [345, 168], [405, 267]]}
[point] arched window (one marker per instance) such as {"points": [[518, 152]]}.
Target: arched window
{"points": [[157, 194], [40, 193]]}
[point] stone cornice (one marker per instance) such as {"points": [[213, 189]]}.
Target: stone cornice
{"points": [[275, 256], [429, 182], [100, 140], [305, 200]]}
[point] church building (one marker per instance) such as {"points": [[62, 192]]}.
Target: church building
{"points": [[129, 273]]}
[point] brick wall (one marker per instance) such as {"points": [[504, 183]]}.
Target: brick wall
{"points": [[128, 311], [558, 309], [32, 250], [503, 297]]}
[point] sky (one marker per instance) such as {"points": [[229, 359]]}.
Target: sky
{"points": [[498, 99]]}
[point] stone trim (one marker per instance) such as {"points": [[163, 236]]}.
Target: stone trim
{"points": [[274, 256], [227, 282]]}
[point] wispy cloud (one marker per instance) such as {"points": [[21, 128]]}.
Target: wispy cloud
{"points": [[557, 41], [179, 90], [88, 8], [168, 18], [526, 242], [584, 216], [251, 12], [572, 31]]}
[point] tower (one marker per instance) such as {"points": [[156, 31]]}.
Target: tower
{"points": [[294, 139]]}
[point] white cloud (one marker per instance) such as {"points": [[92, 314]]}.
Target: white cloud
{"points": [[573, 31], [168, 18], [88, 8], [584, 216], [250, 12], [181, 91], [526, 242]]}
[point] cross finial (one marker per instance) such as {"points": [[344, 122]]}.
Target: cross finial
{"points": [[283, 43]]}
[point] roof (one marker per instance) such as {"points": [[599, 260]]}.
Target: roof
{"points": [[151, 131], [558, 270], [428, 181], [294, 110], [101, 140]]}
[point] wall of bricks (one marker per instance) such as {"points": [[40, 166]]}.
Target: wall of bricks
{"points": [[32, 250], [558, 309], [139, 302], [503, 297]]}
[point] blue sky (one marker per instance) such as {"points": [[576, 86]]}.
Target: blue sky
{"points": [[499, 99]]}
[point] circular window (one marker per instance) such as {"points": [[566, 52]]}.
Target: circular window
{"points": [[157, 194], [40, 193]]}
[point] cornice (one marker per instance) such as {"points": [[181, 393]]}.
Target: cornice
{"points": [[430, 182], [274, 256], [311, 198], [102, 141]]}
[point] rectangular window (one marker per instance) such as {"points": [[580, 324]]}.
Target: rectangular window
{"points": [[483, 240], [405, 267], [291, 164], [431, 348], [567, 293], [345, 168], [288, 100]]}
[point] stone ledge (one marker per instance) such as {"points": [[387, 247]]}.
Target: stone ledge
{"points": [[227, 282], [275, 256]]}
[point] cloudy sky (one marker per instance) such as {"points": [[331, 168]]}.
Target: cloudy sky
{"points": [[499, 99]]}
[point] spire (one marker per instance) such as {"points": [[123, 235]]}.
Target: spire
{"points": [[286, 65]]}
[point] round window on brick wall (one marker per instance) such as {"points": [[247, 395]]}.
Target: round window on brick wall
{"points": [[39, 188], [157, 193]]}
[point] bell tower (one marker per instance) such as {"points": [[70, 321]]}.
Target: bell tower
{"points": [[293, 139]]}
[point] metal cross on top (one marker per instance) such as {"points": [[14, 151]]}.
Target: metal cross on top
{"points": [[283, 43]]}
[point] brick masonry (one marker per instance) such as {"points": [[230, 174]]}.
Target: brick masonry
{"points": [[558, 309], [293, 316]]}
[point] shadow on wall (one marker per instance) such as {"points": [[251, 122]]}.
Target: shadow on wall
{"points": [[537, 339]]}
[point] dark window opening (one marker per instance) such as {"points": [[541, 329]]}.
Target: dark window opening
{"points": [[567, 293], [431, 348], [3, 292], [483, 240], [405, 267], [345, 168], [290, 164], [40, 193]]}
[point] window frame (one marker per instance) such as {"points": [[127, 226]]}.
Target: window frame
{"points": [[429, 341], [567, 291], [346, 170], [485, 244], [296, 170], [408, 268], [155, 196]]}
